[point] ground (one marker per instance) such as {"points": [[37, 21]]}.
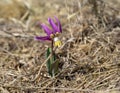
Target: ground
{"points": [[89, 59]]}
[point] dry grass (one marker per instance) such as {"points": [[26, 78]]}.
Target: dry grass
{"points": [[89, 58]]}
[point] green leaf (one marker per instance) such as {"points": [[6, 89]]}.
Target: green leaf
{"points": [[54, 68], [48, 64], [52, 63]]}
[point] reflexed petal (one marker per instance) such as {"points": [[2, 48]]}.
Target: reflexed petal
{"points": [[54, 26], [42, 38], [46, 29], [59, 24]]}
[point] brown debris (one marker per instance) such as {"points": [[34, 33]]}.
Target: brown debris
{"points": [[89, 58]]}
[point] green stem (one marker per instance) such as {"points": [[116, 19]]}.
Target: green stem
{"points": [[52, 53], [52, 64]]}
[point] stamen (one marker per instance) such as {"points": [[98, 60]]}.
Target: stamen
{"points": [[57, 42], [56, 39]]}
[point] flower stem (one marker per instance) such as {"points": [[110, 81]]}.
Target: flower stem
{"points": [[52, 52]]}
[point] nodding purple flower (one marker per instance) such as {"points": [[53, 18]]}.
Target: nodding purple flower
{"points": [[52, 34]]}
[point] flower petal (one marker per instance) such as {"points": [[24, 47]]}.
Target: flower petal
{"points": [[59, 24], [46, 29], [43, 38], [56, 27]]}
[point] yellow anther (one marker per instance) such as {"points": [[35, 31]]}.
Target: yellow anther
{"points": [[57, 42]]}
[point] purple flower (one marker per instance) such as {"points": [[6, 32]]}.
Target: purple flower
{"points": [[51, 33]]}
